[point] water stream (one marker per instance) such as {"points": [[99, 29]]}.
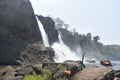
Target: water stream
{"points": [[63, 52], [43, 33]]}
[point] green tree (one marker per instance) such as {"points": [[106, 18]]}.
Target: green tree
{"points": [[89, 36], [66, 26], [96, 39], [58, 22]]}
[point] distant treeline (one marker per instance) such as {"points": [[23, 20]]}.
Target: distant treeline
{"points": [[89, 43]]}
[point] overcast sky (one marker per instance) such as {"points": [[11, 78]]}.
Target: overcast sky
{"points": [[98, 17]]}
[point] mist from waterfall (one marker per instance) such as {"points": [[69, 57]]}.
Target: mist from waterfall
{"points": [[43, 33], [62, 52]]}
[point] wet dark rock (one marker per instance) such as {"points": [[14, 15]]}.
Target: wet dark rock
{"points": [[49, 26], [10, 51]]}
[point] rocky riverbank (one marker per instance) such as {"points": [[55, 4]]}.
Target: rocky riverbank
{"points": [[57, 71]]}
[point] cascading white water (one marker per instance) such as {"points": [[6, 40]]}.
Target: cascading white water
{"points": [[62, 52], [43, 33]]}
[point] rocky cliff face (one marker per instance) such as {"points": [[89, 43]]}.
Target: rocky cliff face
{"points": [[18, 27], [49, 26], [17, 21]]}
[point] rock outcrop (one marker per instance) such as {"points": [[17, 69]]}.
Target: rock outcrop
{"points": [[36, 54], [93, 73], [18, 27], [8, 73], [49, 26], [17, 21]]}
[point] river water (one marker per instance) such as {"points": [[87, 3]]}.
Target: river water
{"points": [[116, 64]]}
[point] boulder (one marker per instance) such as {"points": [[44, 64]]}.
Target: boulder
{"points": [[8, 73], [93, 73], [37, 68], [24, 71]]}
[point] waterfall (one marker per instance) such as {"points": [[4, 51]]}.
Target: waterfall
{"points": [[62, 52], [43, 33]]}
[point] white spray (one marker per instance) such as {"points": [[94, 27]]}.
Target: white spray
{"points": [[62, 52], [44, 35]]}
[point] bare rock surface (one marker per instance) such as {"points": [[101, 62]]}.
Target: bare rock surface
{"points": [[8, 73], [18, 27], [92, 73]]}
